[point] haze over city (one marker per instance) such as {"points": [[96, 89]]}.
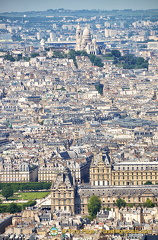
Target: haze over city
{"points": [[39, 5]]}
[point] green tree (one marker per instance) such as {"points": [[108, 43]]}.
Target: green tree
{"points": [[33, 55], [139, 60], [149, 203], [95, 60], [3, 208], [27, 186], [30, 203], [116, 53], [99, 88], [148, 183], [72, 54], [13, 207], [27, 59], [130, 205], [59, 54], [92, 58], [94, 206], [120, 203], [7, 192], [81, 53], [19, 57], [98, 62], [9, 57]]}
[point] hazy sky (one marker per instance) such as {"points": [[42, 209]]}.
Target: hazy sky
{"points": [[42, 5]]}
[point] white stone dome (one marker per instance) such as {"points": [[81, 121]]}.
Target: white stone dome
{"points": [[86, 33]]}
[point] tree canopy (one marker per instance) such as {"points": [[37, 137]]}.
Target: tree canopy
{"points": [[99, 88], [94, 206], [148, 183], [96, 61], [33, 55], [149, 203], [27, 186], [7, 192], [13, 207], [120, 203], [58, 54], [116, 53], [9, 57], [127, 61]]}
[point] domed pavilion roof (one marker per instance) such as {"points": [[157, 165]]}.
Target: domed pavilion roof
{"points": [[86, 34]]}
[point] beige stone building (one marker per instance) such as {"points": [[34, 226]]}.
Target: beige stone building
{"points": [[47, 172], [108, 195], [23, 172], [63, 193], [103, 173], [119, 180], [109, 181]]}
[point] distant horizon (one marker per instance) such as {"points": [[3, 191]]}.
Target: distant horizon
{"points": [[93, 9], [100, 5]]}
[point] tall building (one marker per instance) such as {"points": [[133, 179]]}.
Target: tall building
{"points": [[110, 32], [63, 193], [84, 41]]}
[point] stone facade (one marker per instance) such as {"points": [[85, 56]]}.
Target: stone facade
{"points": [[103, 173], [109, 194], [84, 41], [20, 173], [63, 193], [109, 181]]}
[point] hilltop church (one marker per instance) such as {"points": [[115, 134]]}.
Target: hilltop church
{"points": [[84, 41]]}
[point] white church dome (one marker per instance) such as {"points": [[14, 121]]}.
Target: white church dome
{"points": [[86, 33]]}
